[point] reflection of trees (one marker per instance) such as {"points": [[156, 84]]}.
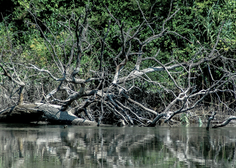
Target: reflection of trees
{"points": [[104, 147], [212, 149]]}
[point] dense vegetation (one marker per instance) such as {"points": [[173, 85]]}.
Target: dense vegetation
{"points": [[44, 43]]}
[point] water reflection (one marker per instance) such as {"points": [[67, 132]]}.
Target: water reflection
{"points": [[53, 146]]}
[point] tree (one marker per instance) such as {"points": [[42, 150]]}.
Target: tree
{"points": [[95, 82]]}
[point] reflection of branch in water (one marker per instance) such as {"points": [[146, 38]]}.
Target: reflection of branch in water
{"points": [[113, 142], [110, 147], [140, 142], [232, 155], [20, 147], [116, 146], [123, 143], [187, 150], [207, 151], [183, 154]]}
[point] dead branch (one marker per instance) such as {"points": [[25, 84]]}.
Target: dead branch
{"points": [[226, 122], [209, 120], [118, 88], [156, 119]]}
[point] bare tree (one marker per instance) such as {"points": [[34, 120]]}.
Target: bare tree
{"points": [[106, 94]]}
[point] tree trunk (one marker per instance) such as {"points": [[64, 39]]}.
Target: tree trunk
{"points": [[42, 112]]}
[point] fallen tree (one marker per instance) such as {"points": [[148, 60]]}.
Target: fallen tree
{"points": [[111, 91]]}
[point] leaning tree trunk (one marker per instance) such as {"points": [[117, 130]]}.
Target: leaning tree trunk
{"points": [[39, 112]]}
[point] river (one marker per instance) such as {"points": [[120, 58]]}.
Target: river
{"points": [[53, 146]]}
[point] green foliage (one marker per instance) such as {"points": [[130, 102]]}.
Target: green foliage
{"points": [[6, 35], [198, 21], [200, 122], [184, 119]]}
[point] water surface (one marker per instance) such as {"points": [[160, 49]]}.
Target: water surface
{"points": [[27, 146]]}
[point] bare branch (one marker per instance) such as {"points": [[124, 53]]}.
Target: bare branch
{"points": [[209, 120], [145, 108], [226, 122]]}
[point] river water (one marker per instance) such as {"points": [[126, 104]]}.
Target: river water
{"points": [[53, 146]]}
